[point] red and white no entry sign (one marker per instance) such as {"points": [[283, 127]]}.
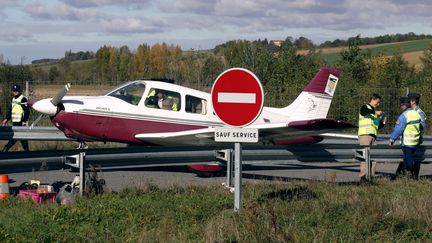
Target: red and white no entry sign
{"points": [[237, 97]]}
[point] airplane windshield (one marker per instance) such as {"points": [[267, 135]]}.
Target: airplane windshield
{"points": [[131, 93]]}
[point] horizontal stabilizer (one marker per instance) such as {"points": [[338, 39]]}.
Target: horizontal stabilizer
{"points": [[318, 124]]}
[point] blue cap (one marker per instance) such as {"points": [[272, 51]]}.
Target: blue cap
{"points": [[414, 96], [404, 100], [16, 87]]}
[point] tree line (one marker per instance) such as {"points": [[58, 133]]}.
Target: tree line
{"points": [[282, 71]]}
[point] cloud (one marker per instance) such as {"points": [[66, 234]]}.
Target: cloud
{"points": [[102, 3], [62, 12], [410, 2], [135, 25], [253, 16], [116, 19], [190, 6], [7, 3], [15, 36]]}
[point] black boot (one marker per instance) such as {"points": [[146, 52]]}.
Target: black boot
{"points": [[416, 170], [399, 171]]}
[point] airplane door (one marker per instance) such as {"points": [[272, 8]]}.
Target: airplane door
{"points": [[125, 113]]}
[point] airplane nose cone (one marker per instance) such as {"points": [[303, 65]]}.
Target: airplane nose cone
{"points": [[45, 107]]}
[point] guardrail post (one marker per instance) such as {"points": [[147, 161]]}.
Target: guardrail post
{"points": [[82, 166], [226, 155], [368, 163], [79, 162], [363, 154], [230, 168]]}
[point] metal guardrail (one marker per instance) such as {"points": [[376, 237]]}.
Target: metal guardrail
{"points": [[135, 157], [54, 134], [35, 133]]}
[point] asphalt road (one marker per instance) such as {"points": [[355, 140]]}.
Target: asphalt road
{"points": [[179, 175]]}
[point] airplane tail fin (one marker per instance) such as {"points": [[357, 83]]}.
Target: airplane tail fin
{"points": [[315, 99]]}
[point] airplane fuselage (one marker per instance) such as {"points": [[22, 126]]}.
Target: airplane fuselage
{"points": [[115, 118]]}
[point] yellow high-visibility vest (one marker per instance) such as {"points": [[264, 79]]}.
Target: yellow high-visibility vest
{"points": [[174, 106], [17, 110], [152, 93], [421, 111], [411, 134], [368, 124]]}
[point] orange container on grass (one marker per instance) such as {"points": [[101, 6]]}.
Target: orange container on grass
{"points": [[4, 187]]}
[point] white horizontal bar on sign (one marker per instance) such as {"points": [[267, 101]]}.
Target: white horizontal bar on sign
{"points": [[231, 97]]}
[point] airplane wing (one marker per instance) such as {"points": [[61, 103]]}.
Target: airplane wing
{"points": [[314, 127], [203, 136], [271, 132]]}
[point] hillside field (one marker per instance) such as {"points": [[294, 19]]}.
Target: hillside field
{"points": [[411, 50]]}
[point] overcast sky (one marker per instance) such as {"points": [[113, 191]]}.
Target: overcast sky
{"points": [[34, 29]]}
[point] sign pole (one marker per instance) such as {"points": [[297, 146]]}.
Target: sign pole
{"points": [[238, 177], [237, 100]]}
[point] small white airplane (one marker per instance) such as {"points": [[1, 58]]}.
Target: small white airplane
{"points": [[150, 112]]}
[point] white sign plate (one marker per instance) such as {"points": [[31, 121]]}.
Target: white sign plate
{"points": [[236, 135], [331, 84]]}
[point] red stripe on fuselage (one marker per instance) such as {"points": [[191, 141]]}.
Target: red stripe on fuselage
{"points": [[104, 128]]}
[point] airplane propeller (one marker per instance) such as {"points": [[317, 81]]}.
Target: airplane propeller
{"points": [[49, 107], [59, 96]]}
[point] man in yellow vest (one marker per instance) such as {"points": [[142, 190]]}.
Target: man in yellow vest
{"points": [[19, 114], [370, 120], [408, 129], [415, 105]]}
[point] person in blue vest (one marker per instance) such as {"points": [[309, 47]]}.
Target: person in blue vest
{"points": [[408, 129], [415, 105], [18, 114]]}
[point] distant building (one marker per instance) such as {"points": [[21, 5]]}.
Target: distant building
{"points": [[276, 42]]}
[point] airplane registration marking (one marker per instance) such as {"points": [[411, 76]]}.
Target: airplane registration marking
{"points": [[246, 98]]}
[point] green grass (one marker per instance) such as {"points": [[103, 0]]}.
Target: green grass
{"points": [[390, 49], [273, 212]]}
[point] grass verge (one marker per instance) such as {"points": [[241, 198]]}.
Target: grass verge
{"points": [[273, 212]]}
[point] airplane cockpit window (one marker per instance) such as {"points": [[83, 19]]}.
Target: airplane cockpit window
{"points": [[131, 93], [163, 99], [196, 105]]}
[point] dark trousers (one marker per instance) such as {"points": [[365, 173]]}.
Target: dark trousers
{"points": [[408, 162], [11, 142], [408, 157]]}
